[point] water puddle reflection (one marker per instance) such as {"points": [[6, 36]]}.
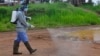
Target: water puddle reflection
{"points": [[90, 35], [76, 42]]}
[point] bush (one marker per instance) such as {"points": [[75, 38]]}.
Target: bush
{"points": [[53, 15]]}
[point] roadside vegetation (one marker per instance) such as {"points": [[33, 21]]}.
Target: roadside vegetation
{"points": [[51, 15], [92, 8]]}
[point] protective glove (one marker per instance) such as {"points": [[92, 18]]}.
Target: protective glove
{"points": [[29, 18], [32, 26]]}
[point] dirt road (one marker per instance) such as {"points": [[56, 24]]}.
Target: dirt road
{"points": [[42, 40]]}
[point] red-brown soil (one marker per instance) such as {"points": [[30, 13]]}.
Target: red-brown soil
{"points": [[41, 40]]}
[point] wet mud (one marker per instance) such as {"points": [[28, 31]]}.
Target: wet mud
{"points": [[71, 41]]}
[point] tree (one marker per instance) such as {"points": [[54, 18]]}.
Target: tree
{"points": [[90, 1], [76, 2], [69, 1]]}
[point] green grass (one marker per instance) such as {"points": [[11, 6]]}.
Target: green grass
{"points": [[52, 15], [92, 8]]}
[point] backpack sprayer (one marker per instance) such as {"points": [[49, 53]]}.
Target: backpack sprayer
{"points": [[24, 4]]}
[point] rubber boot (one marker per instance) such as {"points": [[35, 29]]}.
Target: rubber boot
{"points": [[15, 48], [29, 48]]}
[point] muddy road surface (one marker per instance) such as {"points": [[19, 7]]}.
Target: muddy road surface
{"points": [[71, 41]]}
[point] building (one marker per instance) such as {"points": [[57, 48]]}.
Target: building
{"points": [[8, 2], [79, 2]]}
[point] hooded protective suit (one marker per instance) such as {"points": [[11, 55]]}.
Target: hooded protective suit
{"points": [[21, 28]]}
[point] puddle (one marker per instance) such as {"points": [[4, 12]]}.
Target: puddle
{"points": [[87, 35], [83, 35], [75, 42]]}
